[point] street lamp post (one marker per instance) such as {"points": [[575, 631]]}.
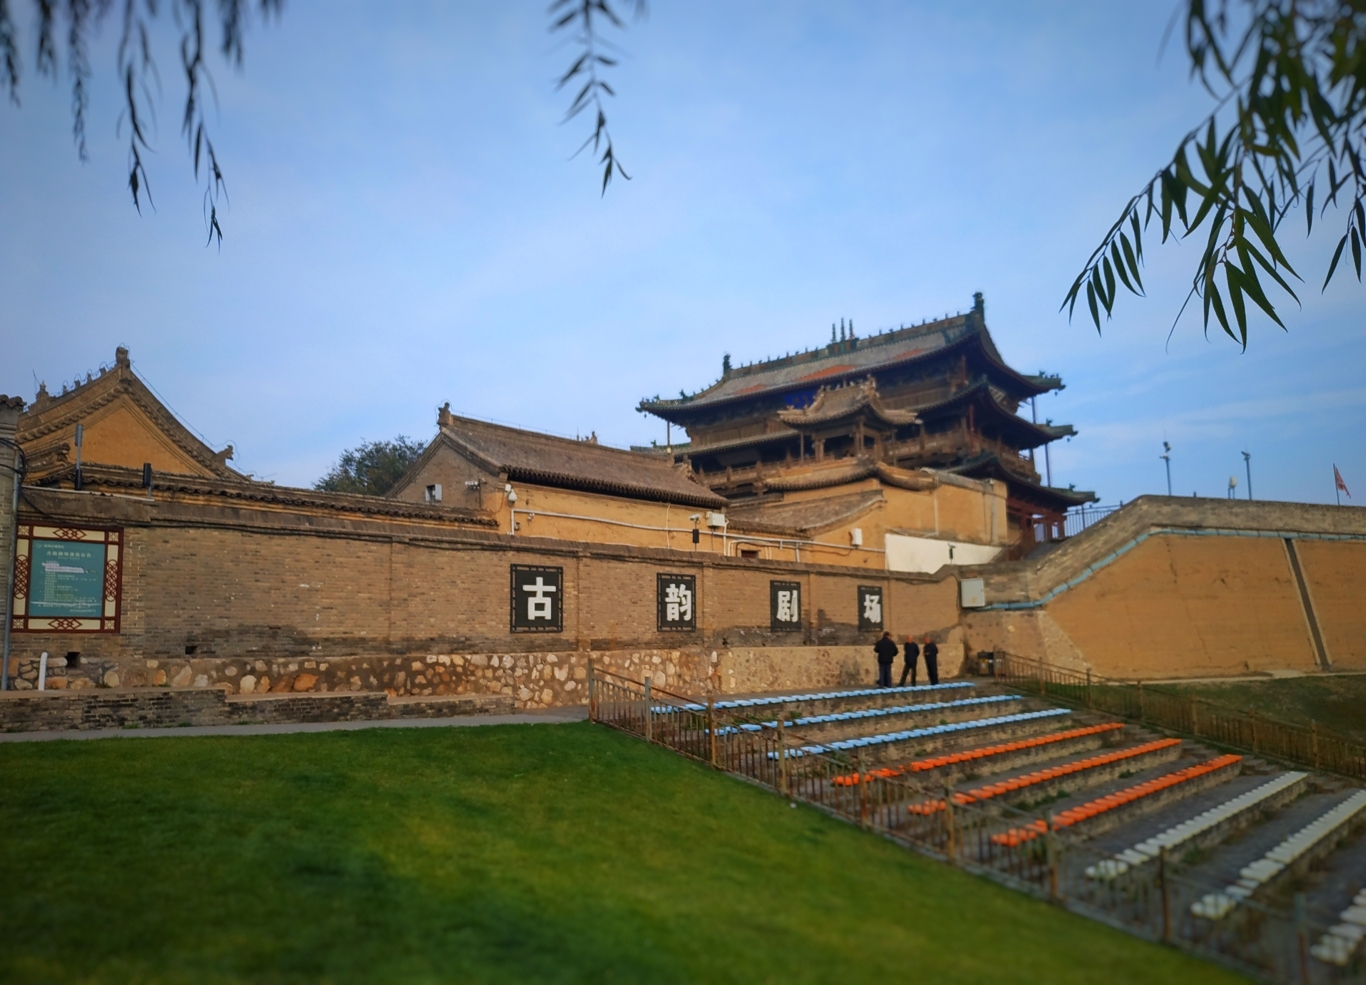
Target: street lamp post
{"points": [[1166, 456], [1247, 460]]}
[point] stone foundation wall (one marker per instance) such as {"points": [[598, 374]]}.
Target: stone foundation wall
{"points": [[527, 680], [171, 707]]}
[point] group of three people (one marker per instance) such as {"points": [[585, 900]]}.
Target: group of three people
{"points": [[886, 650]]}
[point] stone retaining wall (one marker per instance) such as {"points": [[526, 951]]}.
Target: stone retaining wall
{"points": [[528, 680], [25, 711]]}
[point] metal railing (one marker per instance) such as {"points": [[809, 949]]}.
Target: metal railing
{"points": [[1086, 516], [1311, 746], [1151, 901]]}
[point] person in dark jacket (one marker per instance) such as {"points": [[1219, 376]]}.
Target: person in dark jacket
{"points": [[931, 652], [912, 656], [885, 649]]}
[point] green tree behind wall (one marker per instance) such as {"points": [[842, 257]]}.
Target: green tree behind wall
{"points": [[371, 468]]}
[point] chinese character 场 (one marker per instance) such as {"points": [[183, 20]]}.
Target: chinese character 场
{"points": [[788, 605], [677, 603], [872, 608], [539, 603]]}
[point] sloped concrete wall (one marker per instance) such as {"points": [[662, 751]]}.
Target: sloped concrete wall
{"points": [[1335, 572], [1182, 606]]}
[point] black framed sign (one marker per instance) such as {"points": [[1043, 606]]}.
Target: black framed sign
{"points": [[869, 608], [537, 604], [67, 579], [785, 605], [677, 599]]}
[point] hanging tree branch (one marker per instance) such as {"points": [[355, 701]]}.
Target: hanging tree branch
{"points": [[585, 17], [137, 72], [1290, 87]]}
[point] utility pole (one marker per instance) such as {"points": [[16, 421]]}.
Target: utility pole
{"points": [[1247, 460], [1166, 456], [1048, 459]]}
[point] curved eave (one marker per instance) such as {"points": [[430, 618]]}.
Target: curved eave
{"points": [[681, 411], [771, 437], [794, 419], [1032, 435], [989, 466]]}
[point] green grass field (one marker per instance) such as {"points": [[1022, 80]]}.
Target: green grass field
{"points": [[548, 853], [1335, 702]]}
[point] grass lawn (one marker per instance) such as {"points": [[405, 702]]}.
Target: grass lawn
{"points": [[1335, 702], [548, 853]]}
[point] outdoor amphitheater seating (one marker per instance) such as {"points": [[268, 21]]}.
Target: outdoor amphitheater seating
{"points": [[1337, 946], [1215, 906], [788, 699], [1037, 777], [1110, 802], [1179, 834], [981, 752], [845, 745]]}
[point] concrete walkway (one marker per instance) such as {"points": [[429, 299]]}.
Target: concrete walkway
{"points": [[552, 716]]}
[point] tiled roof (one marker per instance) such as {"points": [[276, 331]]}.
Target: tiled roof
{"points": [[834, 403], [48, 415], [990, 464], [803, 517], [529, 456], [851, 359], [236, 491]]}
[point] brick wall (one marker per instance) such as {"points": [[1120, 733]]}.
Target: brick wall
{"points": [[214, 595]]}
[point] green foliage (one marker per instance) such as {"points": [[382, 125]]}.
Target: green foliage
{"points": [[1289, 80], [545, 853], [1333, 700], [372, 468]]}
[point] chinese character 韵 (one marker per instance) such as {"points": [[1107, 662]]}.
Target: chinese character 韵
{"points": [[677, 603]]}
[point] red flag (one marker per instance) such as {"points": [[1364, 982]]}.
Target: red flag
{"points": [[1337, 481]]}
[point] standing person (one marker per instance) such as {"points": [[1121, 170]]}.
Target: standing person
{"points": [[912, 657], [885, 649], [931, 660]]}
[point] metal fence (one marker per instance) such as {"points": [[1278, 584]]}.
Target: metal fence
{"points": [[1151, 901], [1311, 746], [1085, 516]]}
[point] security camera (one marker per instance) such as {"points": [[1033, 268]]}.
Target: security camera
{"points": [[695, 517]]}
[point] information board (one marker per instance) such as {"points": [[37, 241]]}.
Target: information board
{"points": [[67, 579]]}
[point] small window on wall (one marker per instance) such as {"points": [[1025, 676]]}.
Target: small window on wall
{"points": [[749, 552]]}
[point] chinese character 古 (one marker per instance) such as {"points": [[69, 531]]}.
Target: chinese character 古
{"points": [[872, 608], [677, 603], [538, 602], [787, 606]]}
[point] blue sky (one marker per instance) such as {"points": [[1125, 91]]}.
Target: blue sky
{"points": [[406, 229]]}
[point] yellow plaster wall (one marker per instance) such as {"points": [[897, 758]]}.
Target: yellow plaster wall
{"points": [[120, 434], [1179, 606], [1335, 572]]}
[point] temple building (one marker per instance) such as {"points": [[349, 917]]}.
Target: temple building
{"points": [[901, 409]]}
